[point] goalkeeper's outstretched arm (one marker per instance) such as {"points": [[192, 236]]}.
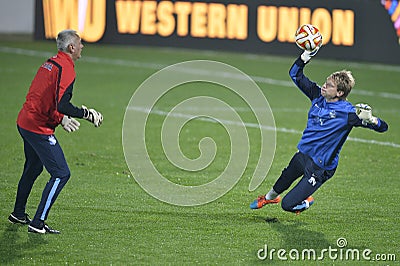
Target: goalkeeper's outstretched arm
{"points": [[363, 118]]}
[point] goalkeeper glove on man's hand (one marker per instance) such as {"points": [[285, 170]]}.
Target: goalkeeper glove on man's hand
{"points": [[364, 112], [92, 115], [307, 55], [70, 124]]}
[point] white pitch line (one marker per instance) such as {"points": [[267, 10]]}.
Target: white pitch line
{"points": [[251, 125], [137, 64]]}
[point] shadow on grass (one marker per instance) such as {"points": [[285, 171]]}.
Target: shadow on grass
{"points": [[303, 244], [298, 241], [13, 247], [213, 233], [297, 234]]}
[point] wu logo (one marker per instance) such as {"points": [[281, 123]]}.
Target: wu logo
{"points": [[52, 140], [88, 17], [393, 9]]}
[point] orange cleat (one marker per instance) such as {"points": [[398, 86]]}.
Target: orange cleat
{"points": [[261, 202]]}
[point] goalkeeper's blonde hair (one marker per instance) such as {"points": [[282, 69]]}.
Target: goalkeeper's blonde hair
{"points": [[344, 81]]}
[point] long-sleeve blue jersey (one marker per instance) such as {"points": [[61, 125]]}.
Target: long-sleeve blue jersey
{"points": [[329, 123]]}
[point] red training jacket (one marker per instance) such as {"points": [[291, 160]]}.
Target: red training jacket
{"points": [[39, 112]]}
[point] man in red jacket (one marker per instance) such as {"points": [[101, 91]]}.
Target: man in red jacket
{"points": [[47, 105]]}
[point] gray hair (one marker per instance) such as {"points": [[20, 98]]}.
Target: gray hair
{"points": [[65, 38]]}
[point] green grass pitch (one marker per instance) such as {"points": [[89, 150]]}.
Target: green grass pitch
{"points": [[107, 218]]}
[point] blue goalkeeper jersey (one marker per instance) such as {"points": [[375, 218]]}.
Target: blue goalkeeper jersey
{"points": [[328, 124]]}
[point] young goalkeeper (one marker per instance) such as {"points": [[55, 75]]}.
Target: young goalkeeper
{"points": [[330, 120]]}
